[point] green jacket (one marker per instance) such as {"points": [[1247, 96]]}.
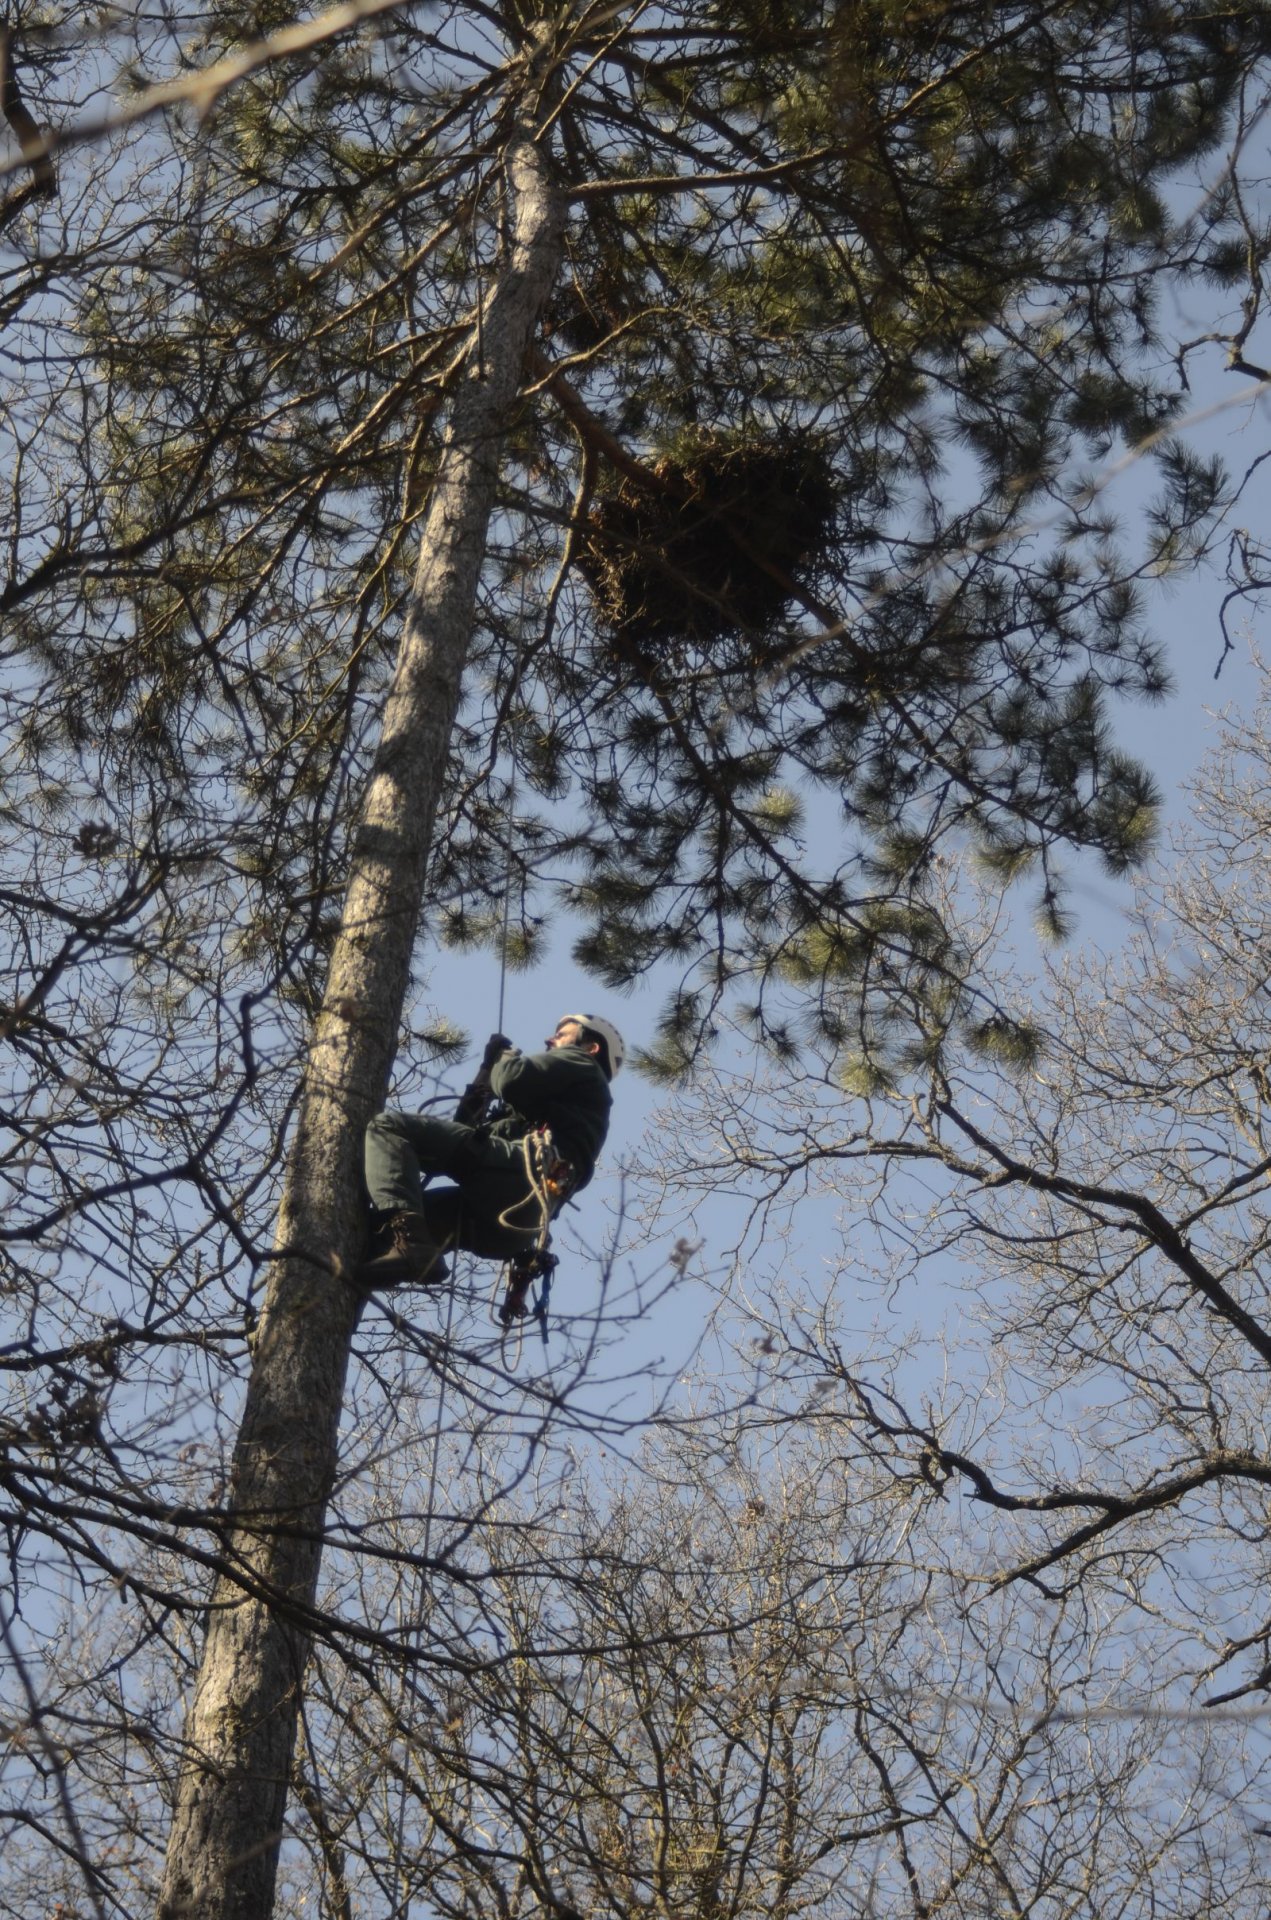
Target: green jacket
{"points": [[567, 1090]]}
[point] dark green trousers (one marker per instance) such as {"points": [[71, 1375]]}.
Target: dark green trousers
{"points": [[491, 1209]]}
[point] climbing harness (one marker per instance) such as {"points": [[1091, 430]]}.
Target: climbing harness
{"points": [[550, 1178], [520, 1273], [513, 1305]]}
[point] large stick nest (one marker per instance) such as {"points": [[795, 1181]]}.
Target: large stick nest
{"points": [[713, 546]]}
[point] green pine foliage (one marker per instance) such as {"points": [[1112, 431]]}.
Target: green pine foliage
{"points": [[858, 294]]}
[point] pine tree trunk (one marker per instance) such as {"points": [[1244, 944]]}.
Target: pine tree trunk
{"points": [[241, 1727]]}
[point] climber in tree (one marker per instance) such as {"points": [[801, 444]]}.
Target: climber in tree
{"points": [[493, 1209]]}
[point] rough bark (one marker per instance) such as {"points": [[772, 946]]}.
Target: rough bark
{"points": [[241, 1727]]}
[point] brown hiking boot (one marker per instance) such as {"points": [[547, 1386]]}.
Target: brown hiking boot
{"points": [[403, 1253]]}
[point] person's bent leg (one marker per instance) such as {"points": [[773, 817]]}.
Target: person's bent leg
{"points": [[402, 1149], [500, 1214]]}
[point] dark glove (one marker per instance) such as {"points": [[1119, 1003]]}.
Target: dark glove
{"points": [[497, 1044]]}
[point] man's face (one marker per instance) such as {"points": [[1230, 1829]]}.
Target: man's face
{"points": [[568, 1034]]}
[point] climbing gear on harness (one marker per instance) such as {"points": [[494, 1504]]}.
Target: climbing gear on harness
{"points": [[520, 1273], [404, 1251], [603, 1030], [514, 1308], [550, 1180], [555, 1175]]}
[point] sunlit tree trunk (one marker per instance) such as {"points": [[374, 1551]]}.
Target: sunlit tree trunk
{"points": [[241, 1727]]}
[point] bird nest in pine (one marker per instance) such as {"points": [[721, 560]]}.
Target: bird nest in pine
{"points": [[713, 547]]}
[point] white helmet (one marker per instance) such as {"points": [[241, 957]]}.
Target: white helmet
{"points": [[607, 1034]]}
